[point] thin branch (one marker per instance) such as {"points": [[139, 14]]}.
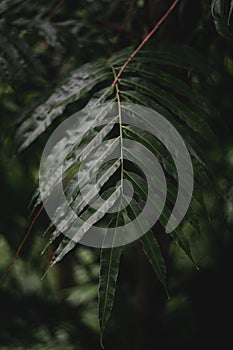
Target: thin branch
{"points": [[127, 16], [54, 10], [156, 27], [21, 245]]}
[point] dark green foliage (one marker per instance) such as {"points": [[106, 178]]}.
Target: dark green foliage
{"points": [[69, 58], [222, 15], [151, 81]]}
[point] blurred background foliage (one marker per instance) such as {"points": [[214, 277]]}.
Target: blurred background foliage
{"points": [[40, 42]]}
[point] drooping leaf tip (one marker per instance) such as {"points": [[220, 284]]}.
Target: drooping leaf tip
{"points": [[101, 339], [167, 293]]}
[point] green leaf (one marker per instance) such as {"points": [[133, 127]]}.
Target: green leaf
{"points": [[193, 119], [222, 13], [150, 246], [109, 269], [184, 244], [177, 234], [170, 54], [78, 230], [69, 145], [152, 250], [81, 81], [82, 153]]}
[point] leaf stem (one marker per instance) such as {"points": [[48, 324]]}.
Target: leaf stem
{"points": [[21, 245], [121, 135], [120, 126]]}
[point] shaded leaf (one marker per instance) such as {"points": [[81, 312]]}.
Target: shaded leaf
{"points": [[222, 13], [78, 83], [152, 250], [109, 269]]}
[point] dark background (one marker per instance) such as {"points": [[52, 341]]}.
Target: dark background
{"points": [[60, 311]]}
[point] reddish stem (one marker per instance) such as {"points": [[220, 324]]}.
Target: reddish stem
{"points": [[21, 245], [128, 13], [54, 10], [156, 27]]}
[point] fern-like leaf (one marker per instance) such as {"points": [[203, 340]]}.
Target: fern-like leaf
{"points": [[109, 270], [92, 155]]}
